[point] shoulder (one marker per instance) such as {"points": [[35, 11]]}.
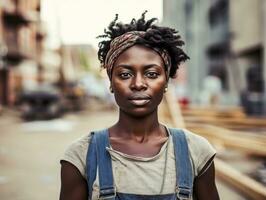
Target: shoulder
{"points": [[201, 151], [197, 142], [76, 153]]}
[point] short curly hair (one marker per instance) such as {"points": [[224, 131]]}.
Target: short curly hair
{"points": [[155, 36]]}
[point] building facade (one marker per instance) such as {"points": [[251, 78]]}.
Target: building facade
{"points": [[21, 38], [190, 21], [222, 37]]}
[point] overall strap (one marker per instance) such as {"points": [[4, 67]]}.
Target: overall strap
{"points": [[98, 156], [184, 182], [91, 164]]}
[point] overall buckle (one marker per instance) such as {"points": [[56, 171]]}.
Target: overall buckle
{"points": [[107, 193], [183, 193]]}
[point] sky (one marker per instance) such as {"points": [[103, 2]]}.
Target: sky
{"points": [[80, 21]]}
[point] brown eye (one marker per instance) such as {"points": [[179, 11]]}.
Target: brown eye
{"points": [[152, 75], [125, 75]]}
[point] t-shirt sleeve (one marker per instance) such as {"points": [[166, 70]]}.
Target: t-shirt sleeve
{"points": [[76, 153], [201, 151]]}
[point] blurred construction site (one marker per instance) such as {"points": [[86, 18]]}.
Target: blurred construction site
{"points": [[51, 93]]}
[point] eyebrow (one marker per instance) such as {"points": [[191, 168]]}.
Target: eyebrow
{"points": [[130, 66]]}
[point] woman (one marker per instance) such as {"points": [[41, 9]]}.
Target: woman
{"points": [[138, 157]]}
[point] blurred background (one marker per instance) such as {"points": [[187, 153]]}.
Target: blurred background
{"points": [[52, 90]]}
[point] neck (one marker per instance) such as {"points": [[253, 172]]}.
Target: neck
{"points": [[133, 127]]}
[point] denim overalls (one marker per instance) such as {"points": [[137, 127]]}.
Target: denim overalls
{"points": [[98, 156]]}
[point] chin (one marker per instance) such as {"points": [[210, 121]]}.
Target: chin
{"points": [[138, 112]]}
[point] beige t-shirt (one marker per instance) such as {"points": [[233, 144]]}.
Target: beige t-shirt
{"points": [[147, 176]]}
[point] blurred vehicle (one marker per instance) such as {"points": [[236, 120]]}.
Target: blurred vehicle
{"points": [[74, 97], [43, 102]]}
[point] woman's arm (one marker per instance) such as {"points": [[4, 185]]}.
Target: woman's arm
{"points": [[204, 185], [73, 185]]}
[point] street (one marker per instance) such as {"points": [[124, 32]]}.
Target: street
{"points": [[57, 60], [30, 153]]}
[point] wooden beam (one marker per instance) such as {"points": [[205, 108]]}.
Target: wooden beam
{"points": [[245, 184], [247, 122], [228, 117], [214, 112], [235, 140], [173, 109]]}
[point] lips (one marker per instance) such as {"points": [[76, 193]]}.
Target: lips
{"points": [[139, 102], [139, 99]]}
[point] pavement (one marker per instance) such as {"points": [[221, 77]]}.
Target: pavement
{"points": [[30, 153]]}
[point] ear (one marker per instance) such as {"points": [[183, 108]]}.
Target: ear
{"points": [[111, 89], [166, 86]]}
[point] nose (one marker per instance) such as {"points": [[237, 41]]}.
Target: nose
{"points": [[138, 83]]}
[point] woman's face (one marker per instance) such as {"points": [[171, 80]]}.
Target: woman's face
{"points": [[138, 81]]}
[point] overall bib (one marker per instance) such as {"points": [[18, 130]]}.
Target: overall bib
{"points": [[98, 156]]}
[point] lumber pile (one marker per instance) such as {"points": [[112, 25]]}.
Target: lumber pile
{"points": [[243, 183], [214, 111], [250, 143], [219, 124], [233, 118], [254, 144]]}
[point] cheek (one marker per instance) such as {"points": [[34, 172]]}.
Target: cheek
{"points": [[119, 87], [158, 89], [159, 95], [119, 91], [159, 85]]}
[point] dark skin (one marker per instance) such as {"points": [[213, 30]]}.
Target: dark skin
{"points": [[138, 81]]}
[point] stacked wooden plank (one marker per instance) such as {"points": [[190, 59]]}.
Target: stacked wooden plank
{"points": [[250, 143], [245, 184], [232, 117], [205, 123]]}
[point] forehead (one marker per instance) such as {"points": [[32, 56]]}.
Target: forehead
{"points": [[139, 55]]}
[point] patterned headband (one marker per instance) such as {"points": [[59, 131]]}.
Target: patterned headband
{"points": [[123, 42]]}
